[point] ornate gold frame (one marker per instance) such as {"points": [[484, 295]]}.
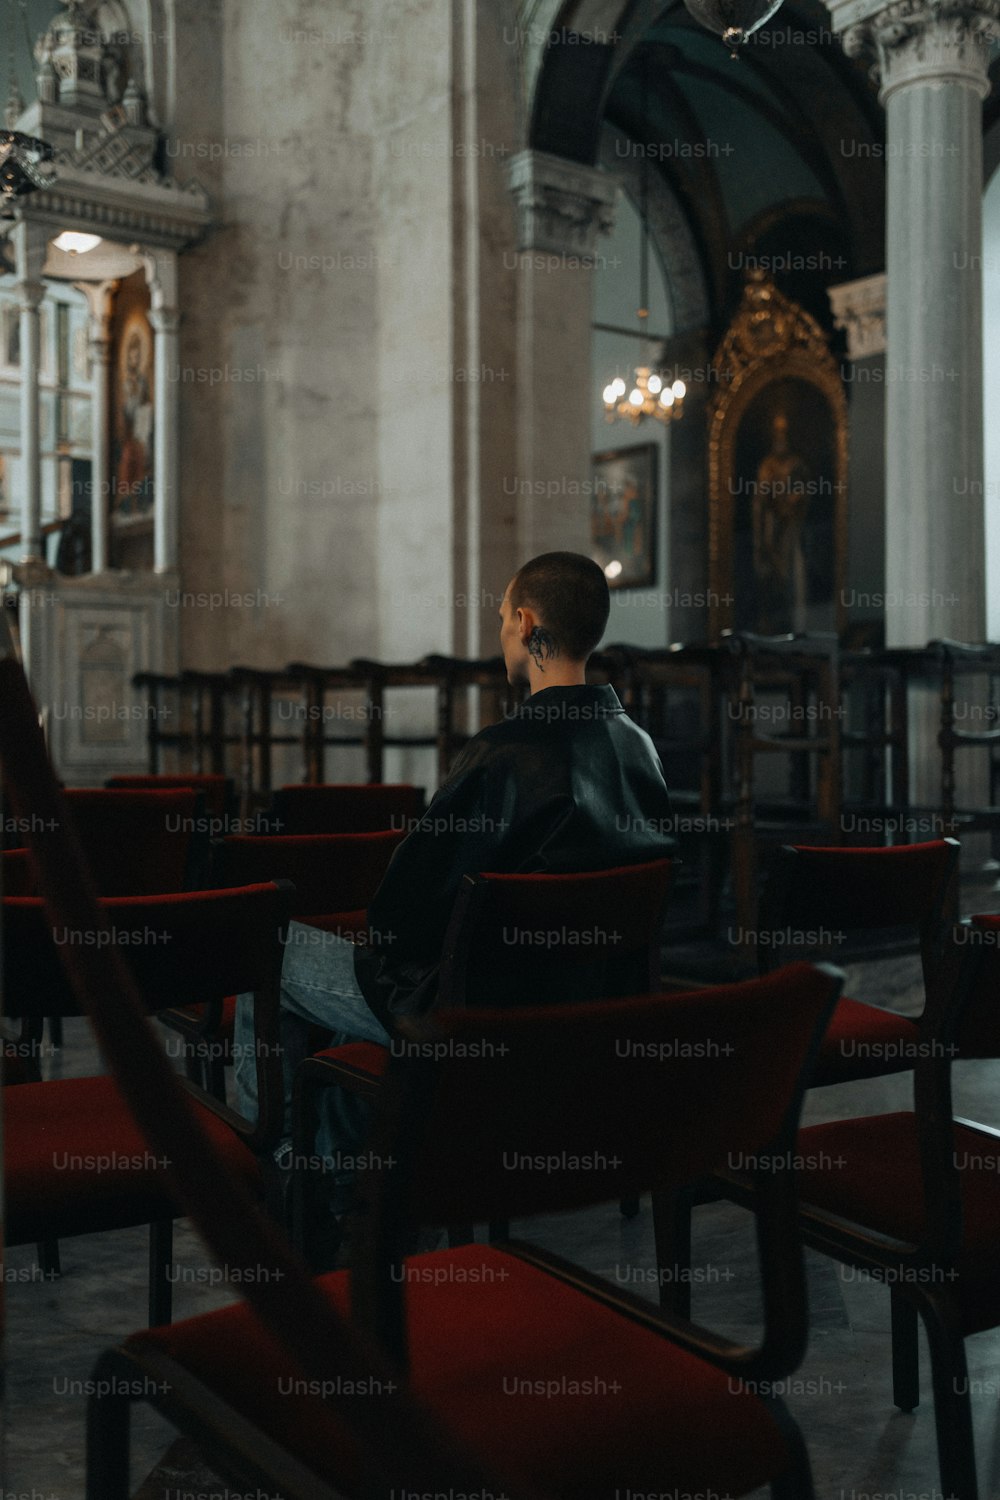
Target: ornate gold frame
{"points": [[771, 337]]}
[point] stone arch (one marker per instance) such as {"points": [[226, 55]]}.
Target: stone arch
{"points": [[670, 231]]}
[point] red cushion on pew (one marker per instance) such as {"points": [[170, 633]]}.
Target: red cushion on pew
{"points": [[119, 1181], [541, 1381], [360, 1057], [878, 1184], [864, 1041]]}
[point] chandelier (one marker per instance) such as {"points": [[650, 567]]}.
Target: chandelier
{"points": [[650, 393], [650, 396], [21, 156]]}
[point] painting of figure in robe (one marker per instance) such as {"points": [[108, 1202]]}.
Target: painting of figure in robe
{"points": [[784, 511]]}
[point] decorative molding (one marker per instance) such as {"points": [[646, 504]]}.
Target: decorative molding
{"points": [[921, 41], [859, 309], [770, 337], [562, 205]]}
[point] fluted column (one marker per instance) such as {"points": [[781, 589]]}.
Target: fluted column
{"points": [[161, 274], [931, 61]]}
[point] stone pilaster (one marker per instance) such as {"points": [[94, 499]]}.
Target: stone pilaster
{"points": [[563, 208]]}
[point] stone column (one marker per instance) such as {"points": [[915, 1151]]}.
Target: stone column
{"points": [[161, 274], [931, 62], [30, 246], [562, 209], [99, 295]]}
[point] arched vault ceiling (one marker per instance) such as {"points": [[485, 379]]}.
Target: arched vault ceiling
{"points": [[792, 122]]}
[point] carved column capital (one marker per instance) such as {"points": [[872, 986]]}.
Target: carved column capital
{"points": [[562, 206], [921, 41], [859, 309]]}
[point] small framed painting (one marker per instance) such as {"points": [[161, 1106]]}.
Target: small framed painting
{"points": [[623, 515]]}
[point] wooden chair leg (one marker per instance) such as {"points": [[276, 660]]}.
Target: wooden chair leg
{"points": [[108, 1432], [952, 1407], [672, 1239], [48, 1259], [161, 1248], [905, 1353], [796, 1482]]}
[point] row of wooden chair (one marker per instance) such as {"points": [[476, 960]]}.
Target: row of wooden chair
{"points": [[687, 696]]}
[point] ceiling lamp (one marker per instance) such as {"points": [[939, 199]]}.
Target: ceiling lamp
{"points": [[733, 20], [75, 242], [650, 396]]}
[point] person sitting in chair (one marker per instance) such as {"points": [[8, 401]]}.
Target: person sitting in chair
{"points": [[566, 783]]}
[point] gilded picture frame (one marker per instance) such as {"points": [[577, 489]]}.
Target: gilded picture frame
{"points": [[777, 472]]}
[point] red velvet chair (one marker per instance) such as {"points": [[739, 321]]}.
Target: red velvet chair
{"points": [[136, 843], [74, 1160], [334, 877], [218, 792], [883, 902], [335, 807], [17, 875], [587, 936], [913, 1198], [610, 1395]]}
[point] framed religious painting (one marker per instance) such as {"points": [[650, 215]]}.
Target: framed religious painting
{"points": [[132, 435], [623, 515], [777, 452]]}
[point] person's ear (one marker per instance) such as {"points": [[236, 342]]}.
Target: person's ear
{"points": [[526, 623]]}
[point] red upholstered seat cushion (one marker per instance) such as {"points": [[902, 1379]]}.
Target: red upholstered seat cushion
{"points": [[545, 1384], [868, 1171], [864, 1041], [75, 1161], [360, 1057]]}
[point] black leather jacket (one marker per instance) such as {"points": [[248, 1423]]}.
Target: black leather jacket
{"points": [[566, 783]]}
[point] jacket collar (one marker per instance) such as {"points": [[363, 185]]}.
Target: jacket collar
{"points": [[599, 701]]}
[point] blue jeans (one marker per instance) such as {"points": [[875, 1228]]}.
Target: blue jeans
{"points": [[318, 988]]}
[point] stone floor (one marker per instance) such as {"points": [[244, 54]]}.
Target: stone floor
{"points": [[861, 1447]]}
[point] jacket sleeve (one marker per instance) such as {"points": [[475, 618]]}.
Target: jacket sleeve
{"points": [[409, 912]]}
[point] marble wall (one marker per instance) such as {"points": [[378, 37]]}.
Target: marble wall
{"points": [[348, 343]]}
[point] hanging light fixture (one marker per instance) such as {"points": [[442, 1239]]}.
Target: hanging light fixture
{"points": [[733, 20], [650, 393], [21, 156]]}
